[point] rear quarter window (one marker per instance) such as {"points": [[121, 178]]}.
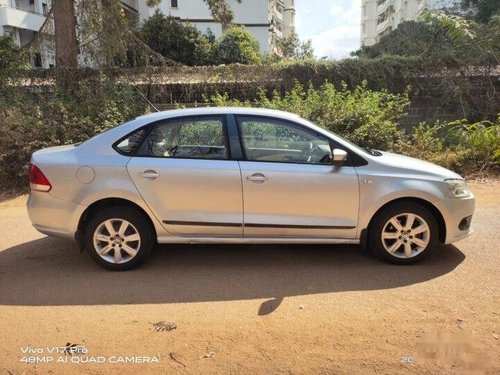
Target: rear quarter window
{"points": [[130, 144]]}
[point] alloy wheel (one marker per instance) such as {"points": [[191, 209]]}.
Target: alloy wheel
{"points": [[117, 241], [405, 235]]}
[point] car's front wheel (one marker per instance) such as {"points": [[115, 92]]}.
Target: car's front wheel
{"points": [[404, 233], [119, 238]]}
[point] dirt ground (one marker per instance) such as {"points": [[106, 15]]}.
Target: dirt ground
{"points": [[251, 309]]}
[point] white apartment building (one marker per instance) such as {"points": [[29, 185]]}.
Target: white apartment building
{"points": [[22, 19], [380, 17], [264, 19]]}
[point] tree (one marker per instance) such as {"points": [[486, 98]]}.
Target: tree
{"points": [[221, 11], [175, 40], [65, 24], [442, 37], [473, 43], [236, 46], [293, 48], [483, 10], [65, 33], [455, 27], [411, 38]]}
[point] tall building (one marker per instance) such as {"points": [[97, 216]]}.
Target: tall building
{"points": [[380, 17], [22, 19], [264, 19]]}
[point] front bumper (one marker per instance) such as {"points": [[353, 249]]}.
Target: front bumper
{"points": [[52, 216], [457, 214]]}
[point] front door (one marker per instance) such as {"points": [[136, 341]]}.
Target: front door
{"points": [[290, 187], [183, 172]]}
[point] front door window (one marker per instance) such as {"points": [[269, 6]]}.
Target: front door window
{"points": [[279, 141]]}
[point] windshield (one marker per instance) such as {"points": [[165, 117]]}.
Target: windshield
{"points": [[364, 150]]}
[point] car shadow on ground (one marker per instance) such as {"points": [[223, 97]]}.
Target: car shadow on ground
{"points": [[51, 272]]}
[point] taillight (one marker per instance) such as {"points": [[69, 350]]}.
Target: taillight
{"points": [[38, 181]]}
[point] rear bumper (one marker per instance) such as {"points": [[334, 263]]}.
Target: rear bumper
{"points": [[52, 216]]}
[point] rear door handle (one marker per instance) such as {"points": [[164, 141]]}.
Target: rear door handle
{"points": [[150, 174], [258, 178]]}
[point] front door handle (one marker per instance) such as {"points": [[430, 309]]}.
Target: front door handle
{"points": [[150, 174], [258, 178]]}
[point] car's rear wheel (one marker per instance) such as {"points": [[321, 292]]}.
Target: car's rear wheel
{"points": [[403, 233], [119, 238]]}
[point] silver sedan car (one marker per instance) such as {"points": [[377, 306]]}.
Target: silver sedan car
{"points": [[241, 175]]}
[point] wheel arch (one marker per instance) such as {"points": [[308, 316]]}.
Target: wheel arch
{"points": [[106, 203], [422, 202]]}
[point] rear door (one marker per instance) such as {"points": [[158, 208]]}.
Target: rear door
{"points": [[290, 187], [184, 174]]}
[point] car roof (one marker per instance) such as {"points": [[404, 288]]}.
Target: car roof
{"points": [[217, 111], [115, 133]]}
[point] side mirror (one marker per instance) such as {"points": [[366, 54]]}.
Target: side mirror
{"points": [[338, 157]]}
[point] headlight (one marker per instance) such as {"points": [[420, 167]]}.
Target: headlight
{"points": [[458, 188]]}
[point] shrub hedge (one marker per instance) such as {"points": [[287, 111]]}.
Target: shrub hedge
{"points": [[471, 90], [29, 121], [370, 119]]}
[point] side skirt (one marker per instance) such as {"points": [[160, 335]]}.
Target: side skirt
{"points": [[255, 240]]}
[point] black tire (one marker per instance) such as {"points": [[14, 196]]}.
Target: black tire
{"points": [[379, 222], [139, 225]]}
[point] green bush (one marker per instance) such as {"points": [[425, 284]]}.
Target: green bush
{"points": [[393, 73], [425, 142], [12, 58], [236, 46], [466, 148], [175, 40], [29, 126], [12, 61], [368, 118], [293, 48], [480, 139]]}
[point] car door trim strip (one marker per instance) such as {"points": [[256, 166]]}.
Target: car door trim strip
{"points": [[250, 225], [202, 223]]}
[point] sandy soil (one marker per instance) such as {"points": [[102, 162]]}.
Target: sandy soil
{"points": [[252, 309]]}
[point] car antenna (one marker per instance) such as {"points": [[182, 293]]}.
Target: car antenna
{"points": [[146, 99]]}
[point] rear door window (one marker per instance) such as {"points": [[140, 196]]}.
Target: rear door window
{"points": [[187, 138]]}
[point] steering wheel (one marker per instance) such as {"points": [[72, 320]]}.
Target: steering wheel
{"points": [[312, 151], [306, 152]]}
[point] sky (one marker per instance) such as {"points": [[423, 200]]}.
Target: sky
{"points": [[332, 25]]}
